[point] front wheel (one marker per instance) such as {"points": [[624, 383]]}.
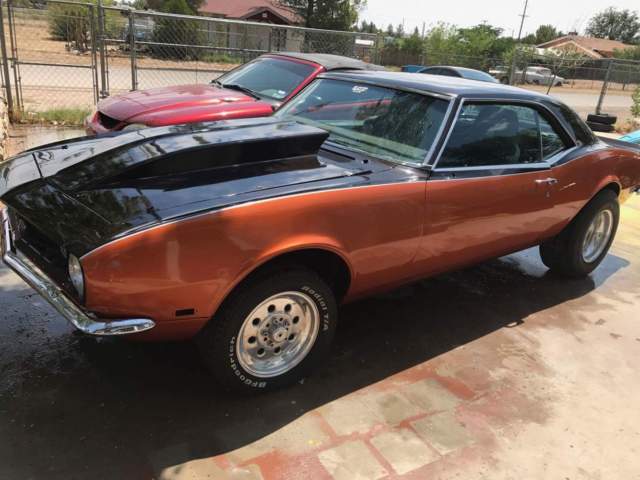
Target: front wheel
{"points": [[271, 332], [584, 243]]}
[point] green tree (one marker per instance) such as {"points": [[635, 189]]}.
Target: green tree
{"points": [[71, 24], [329, 14], [632, 53], [164, 5], [413, 44], [614, 24], [180, 31], [390, 31], [546, 33], [400, 30]]}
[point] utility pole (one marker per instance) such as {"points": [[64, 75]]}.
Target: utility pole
{"points": [[512, 74]]}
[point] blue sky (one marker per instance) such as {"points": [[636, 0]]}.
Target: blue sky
{"points": [[564, 14]]}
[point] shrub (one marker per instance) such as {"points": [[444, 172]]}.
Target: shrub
{"points": [[72, 24]]}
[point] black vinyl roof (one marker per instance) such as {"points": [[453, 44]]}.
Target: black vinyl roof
{"points": [[332, 62], [441, 85]]}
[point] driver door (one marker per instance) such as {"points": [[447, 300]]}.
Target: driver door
{"points": [[490, 191]]}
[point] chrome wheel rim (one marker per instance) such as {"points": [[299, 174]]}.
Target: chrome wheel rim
{"points": [[278, 334], [597, 237]]}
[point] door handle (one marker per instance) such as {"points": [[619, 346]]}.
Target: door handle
{"points": [[547, 181]]}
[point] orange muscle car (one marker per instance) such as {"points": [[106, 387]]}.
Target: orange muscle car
{"points": [[247, 234]]}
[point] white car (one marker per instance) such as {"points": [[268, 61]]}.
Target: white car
{"points": [[543, 76], [534, 75]]}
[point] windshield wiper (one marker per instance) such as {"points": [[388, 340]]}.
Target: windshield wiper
{"points": [[240, 88]]}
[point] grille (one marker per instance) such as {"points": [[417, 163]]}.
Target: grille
{"points": [[42, 251], [107, 121]]}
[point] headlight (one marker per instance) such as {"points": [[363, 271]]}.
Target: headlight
{"points": [[134, 126], [75, 274]]}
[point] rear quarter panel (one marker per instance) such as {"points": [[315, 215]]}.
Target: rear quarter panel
{"points": [[581, 178]]}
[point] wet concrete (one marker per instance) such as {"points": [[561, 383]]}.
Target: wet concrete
{"points": [[77, 407], [23, 137]]}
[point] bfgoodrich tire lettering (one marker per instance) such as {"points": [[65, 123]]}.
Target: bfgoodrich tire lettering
{"points": [[256, 342], [567, 253]]}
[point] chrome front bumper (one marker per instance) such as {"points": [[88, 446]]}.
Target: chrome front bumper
{"points": [[84, 321]]}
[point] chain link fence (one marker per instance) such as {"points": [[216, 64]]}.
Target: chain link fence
{"points": [[60, 54], [67, 55], [587, 85]]}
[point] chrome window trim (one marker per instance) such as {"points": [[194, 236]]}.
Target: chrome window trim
{"points": [[511, 166], [506, 101]]}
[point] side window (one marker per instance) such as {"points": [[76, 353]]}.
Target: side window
{"points": [[448, 73], [499, 134], [552, 143]]}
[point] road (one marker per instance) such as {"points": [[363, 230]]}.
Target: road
{"points": [[498, 371], [48, 87]]}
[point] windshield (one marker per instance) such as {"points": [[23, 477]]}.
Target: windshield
{"points": [[388, 123], [269, 77]]}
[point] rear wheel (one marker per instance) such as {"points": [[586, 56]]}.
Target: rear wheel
{"points": [[584, 243], [271, 332]]}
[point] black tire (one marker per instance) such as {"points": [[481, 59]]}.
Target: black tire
{"points": [[600, 127], [603, 118], [217, 341], [563, 254], [504, 80]]}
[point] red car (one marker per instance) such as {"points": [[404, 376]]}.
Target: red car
{"points": [[255, 89]]}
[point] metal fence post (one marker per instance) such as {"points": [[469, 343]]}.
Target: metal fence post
{"points": [[514, 63], [132, 47], [605, 86], [104, 87], [14, 57], [5, 63], [94, 57]]}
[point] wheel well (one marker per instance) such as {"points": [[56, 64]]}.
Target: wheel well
{"points": [[613, 186], [330, 266]]}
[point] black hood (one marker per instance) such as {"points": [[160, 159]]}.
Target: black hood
{"points": [[84, 192]]}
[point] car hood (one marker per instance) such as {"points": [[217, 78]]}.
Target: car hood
{"points": [[86, 192], [167, 105]]}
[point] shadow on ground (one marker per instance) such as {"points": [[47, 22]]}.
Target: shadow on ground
{"points": [[72, 405]]}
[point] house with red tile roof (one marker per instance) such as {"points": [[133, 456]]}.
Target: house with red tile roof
{"points": [[265, 11], [591, 47]]}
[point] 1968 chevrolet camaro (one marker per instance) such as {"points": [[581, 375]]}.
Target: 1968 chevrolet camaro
{"points": [[246, 234]]}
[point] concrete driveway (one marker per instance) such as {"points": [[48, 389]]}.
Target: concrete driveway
{"points": [[498, 371]]}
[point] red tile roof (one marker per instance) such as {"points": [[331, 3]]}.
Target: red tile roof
{"points": [[243, 9], [596, 47]]}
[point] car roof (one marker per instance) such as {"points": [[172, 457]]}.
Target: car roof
{"points": [[457, 69], [332, 62], [449, 86]]}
